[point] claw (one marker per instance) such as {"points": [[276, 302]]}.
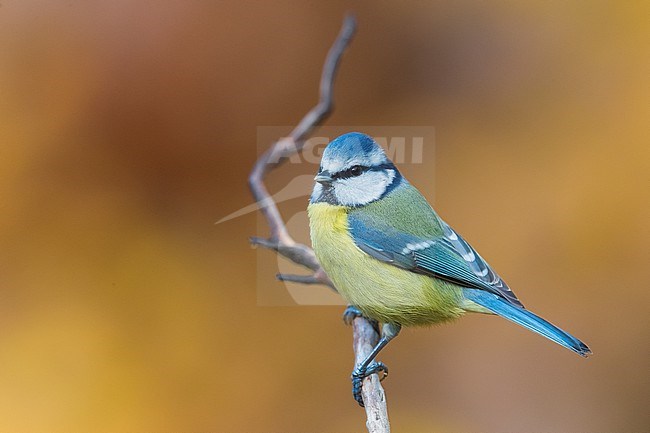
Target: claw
{"points": [[350, 313], [359, 374]]}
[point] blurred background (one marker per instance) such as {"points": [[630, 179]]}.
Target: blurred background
{"points": [[128, 128]]}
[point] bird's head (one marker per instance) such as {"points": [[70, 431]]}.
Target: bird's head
{"points": [[354, 171]]}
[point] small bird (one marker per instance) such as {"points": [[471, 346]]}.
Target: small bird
{"points": [[394, 260]]}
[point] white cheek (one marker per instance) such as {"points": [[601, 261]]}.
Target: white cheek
{"points": [[363, 189]]}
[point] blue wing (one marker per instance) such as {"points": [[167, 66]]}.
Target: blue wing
{"points": [[448, 256]]}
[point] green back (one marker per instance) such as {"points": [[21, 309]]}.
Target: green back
{"points": [[403, 209]]}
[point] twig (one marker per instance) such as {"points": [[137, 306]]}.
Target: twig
{"points": [[364, 335], [374, 399]]}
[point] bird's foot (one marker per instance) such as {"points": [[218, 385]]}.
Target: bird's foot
{"points": [[351, 313], [360, 373]]}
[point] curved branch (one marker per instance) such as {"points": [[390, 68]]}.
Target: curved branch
{"points": [[280, 240]]}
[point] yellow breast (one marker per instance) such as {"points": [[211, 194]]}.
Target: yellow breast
{"points": [[382, 291]]}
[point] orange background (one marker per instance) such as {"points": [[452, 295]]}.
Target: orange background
{"points": [[128, 128]]}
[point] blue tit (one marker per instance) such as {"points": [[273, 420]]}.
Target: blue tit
{"points": [[393, 258]]}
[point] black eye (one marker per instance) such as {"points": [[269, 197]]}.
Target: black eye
{"points": [[356, 170]]}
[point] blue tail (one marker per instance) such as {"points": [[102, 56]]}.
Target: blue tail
{"points": [[526, 319]]}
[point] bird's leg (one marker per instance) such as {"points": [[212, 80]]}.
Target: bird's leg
{"points": [[368, 366]]}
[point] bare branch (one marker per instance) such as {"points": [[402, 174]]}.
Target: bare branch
{"points": [[297, 253], [281, 241], [302, 279], [374, 399]]}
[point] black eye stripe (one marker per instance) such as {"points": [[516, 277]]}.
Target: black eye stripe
{"points": [[354, 171], [358, 170]]}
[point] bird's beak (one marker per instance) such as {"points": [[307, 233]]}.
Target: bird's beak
{"points": [[324, 177]]}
